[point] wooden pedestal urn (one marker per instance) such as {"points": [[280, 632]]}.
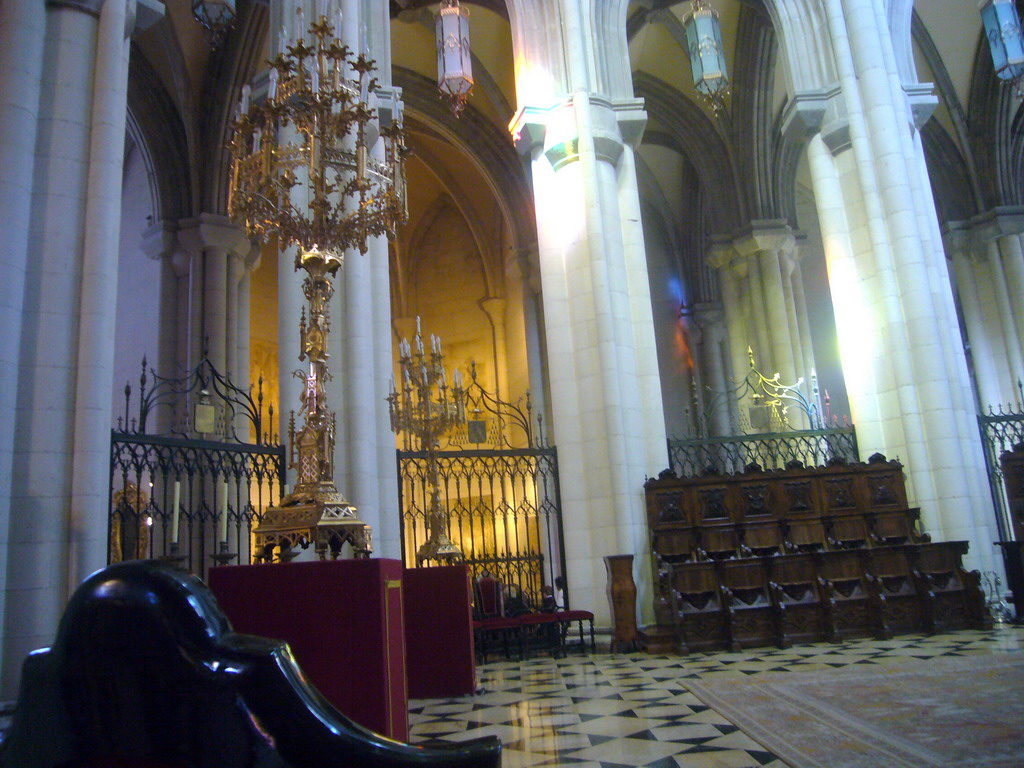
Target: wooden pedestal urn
{"points": [[622, 599]]}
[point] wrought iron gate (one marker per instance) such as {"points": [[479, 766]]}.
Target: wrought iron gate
{"points": [[501, 501], [1001, 429], [760, 422], [176, 496]]}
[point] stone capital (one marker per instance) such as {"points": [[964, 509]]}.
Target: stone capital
{"points": [[923, 102], [765, 236], [557, 130], [819, 111], [213, 231], [91, 7], [999, 222], [494, 306], [721, 254], [160, 240], [958, 242]]}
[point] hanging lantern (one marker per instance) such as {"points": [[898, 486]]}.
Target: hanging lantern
{"points": [[707, 54], [216, 16], [1002, 28], [454, 64]]}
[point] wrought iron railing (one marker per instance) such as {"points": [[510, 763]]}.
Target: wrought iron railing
{"points": [[499, 492], [220, 480], [760, 421], [502, 510], [726, 455], [1001, 429]]}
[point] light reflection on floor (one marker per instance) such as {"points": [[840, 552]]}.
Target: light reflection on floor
{"points": [[633, 709]]}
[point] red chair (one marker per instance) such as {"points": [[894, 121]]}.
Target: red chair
{"points": [[490, 620], [566, 618]]}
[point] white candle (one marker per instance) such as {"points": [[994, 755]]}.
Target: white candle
{"points": [[174, 513], [246, 91], [222, 533], [272, 91]]}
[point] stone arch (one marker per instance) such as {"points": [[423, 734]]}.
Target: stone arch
{"points": [[231, 66], [492, 154], [702, 144], [993, 125], [155, 125], [805, 43], [901, 22]]}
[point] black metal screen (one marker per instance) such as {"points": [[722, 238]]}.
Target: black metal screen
{"points": [[222, 481], [502, 509], [760, 421], [1001, 429], [498, 486], [725, 455]]}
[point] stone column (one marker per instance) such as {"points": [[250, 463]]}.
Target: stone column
{"points": [[732, 272], [160, 242], [714, 341], [992, 373], [768, 250], [494, 308], [216, 245], [60, 466], [602, 362], [22, 37], [903, 360]]}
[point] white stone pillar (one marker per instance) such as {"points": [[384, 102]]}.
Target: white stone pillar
{"points": [[767, 248], [902, 358], [494, 308], [608, 427], [388, 535], [160, 243], [97, 316], [731, 272], [214, 241], [22, 36]]}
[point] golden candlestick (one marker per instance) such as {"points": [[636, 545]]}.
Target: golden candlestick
{"points": [[426, 407], [325, 96]]}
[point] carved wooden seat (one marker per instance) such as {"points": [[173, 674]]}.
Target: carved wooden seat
{"points": [[763, 538], [697, 606], [677, 545], [905, 599], [804, 598], [897, 527], [720, 542], [848, 532], [806, 535], [145, 671], [752, 614], [858, 609], [958, 599]]}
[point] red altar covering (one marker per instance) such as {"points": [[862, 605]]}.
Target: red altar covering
{"points": [[344, 622], [440, 659]]}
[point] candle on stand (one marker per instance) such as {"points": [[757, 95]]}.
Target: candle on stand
{"points": [[222, 528], [174, 511]]}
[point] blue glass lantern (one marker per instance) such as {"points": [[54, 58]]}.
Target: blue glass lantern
{"points": [[1002, 28], [707, 54], [454, 60]]}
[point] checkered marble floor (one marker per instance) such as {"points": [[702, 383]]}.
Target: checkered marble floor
{"points": [[634, 709]]}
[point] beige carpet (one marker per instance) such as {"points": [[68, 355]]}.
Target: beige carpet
{"points": [[965, 711]]}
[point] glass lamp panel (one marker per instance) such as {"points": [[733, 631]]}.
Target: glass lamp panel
{"points": [[1003, 30], [707, 54], [214, 13], [454, 62]]}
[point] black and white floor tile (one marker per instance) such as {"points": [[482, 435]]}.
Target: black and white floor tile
{"points": [[633, 709]]}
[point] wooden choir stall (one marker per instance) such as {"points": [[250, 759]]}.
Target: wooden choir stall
{"points": [[801, 555]]}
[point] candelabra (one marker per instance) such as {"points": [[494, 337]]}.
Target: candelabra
{"points": [[426, 407], [310, 140]]}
